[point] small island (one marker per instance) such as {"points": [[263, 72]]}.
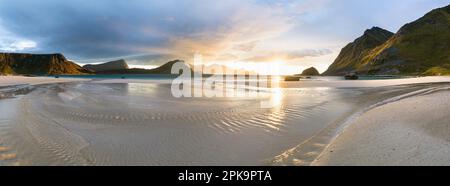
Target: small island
{"points": [[306, 74], [310, 72]]}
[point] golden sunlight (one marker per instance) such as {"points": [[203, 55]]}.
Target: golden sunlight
{"points": [[276, 67]]}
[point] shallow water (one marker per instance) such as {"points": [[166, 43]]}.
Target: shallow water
{"points": [[143, 124], [171, 76]]}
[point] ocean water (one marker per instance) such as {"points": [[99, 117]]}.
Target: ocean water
{"points": [[121, 76], [92, 123], [172, 76]]}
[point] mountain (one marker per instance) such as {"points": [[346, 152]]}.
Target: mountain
{"points": [[421, 47], [353, 54], [113, 65], [310, 72], [38, 64], [163, 69]]}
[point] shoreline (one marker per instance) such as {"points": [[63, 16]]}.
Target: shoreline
{"points": [[22, 80], [307, 152], [368, 83], [6, 81], [410, 131]]}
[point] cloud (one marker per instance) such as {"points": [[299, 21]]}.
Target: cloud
{"points": [[85, 29], [240, 31], [289, 56], [299, 54], [18, 45], [246, 47], [11, 43]]}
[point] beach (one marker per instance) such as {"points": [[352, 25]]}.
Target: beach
{"points": [[72, 121], [411, 132], [23, 80]]}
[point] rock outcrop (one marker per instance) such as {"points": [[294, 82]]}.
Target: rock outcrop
{"points": [[310, 72]]}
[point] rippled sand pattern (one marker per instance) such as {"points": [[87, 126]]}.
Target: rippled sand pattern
{"points": [[142, 124]]}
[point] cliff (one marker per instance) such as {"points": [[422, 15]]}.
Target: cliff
{"points": [[37, 64]]}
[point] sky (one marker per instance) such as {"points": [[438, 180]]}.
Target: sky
{"points": [[244, 33]]}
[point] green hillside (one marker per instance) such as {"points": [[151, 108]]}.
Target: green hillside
{"points": [[421, 47]]}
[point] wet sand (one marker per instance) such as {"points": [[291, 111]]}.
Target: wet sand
{"points": [[142, 124], [413, 131], [23, 80], [138, 122]]}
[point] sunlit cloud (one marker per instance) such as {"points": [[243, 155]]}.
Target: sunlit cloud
{"points": [[289, 55], [11, 43], [16, 46]]}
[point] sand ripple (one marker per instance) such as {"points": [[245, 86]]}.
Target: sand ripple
{"points": [[142, 124]]}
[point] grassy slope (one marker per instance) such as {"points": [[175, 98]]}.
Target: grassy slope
{"points": [[351, 55], [6, 70], [423, 45]]}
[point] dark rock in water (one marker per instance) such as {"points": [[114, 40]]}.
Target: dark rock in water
{"points": [[351, 76], [113, 65], [310, 72], [37, 64]]}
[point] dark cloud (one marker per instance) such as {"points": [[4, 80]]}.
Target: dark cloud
{"points": [[107, 28]]}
